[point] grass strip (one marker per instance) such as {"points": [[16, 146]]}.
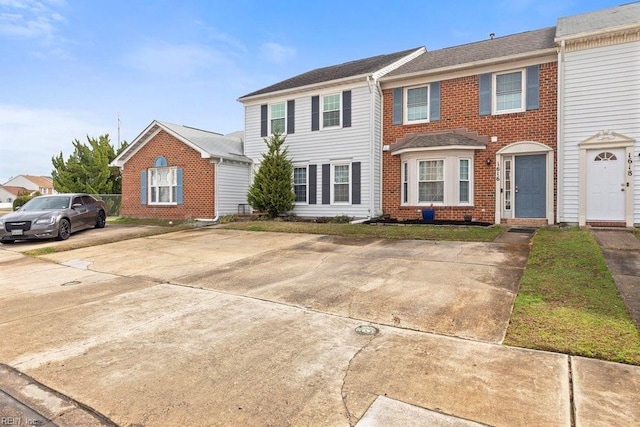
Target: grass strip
{"points": [[569, 303]]}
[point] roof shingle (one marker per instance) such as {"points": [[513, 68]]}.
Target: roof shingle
{"points": [[529, 41], [447, 138], [627, 14], [335, 72]]}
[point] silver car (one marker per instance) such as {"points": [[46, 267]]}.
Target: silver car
{"points": [[55, 216]]}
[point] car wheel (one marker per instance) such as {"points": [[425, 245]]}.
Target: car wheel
{"points": [[64, 231], [102, 220]]}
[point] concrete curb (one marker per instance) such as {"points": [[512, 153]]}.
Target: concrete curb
{"points": [[25, 401]]}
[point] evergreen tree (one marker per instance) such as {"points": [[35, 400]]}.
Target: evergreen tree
{"points": [[87, 169], [272, 188]]}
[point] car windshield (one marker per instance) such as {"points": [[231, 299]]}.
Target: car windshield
{"points": [[46, 203]]}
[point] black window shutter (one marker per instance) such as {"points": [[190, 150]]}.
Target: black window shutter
{"points": [[485, 94], [397, 106], [291, 116], [315, 113], [346, 109], [326, 184], [355, 183], [313, 190], [434, 101], [533, 87], [263, 120]]}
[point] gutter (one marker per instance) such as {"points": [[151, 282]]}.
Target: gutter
{"points": [[560, 130]]}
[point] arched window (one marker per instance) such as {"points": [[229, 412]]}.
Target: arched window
{"points": [[161, 162], [605, 156]]}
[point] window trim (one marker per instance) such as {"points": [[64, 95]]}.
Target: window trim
{"points": [[306, 184], [444, 181], [469, 180], [451, 173], [523, 91], [404, 177], [270, 118], [333, 183], [322, 97], [174, 175], [405, 104]]}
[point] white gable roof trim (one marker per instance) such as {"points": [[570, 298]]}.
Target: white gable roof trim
{"points": [[210, 145]]}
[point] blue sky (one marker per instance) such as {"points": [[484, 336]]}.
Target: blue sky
{"points": [[68, 68]]}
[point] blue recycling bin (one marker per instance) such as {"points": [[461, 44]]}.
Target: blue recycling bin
{"points": [[428, 215]]}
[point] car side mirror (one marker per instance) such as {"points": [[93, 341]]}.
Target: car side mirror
{"points": [[76, 205]]}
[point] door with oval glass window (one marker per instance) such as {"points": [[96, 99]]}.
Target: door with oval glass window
{"points": [[605, 185]]}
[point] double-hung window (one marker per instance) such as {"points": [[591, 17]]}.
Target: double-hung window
{"points": [[341, 183], [417, 109], [431, 181], [405, 182], [463, 181], [278, 114], [300, 184], [509, 92], [331, 110], [163, 186]]}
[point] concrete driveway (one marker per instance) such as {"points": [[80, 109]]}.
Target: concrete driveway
{"points": [[216, 327]]}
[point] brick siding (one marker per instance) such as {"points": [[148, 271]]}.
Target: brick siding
{"points": [[198, 175], [459, 109]]}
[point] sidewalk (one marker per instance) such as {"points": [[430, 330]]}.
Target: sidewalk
{"points": [[621, 251]]}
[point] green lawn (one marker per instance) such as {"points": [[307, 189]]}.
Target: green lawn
{"points": [[422, 232], [568, 301]]}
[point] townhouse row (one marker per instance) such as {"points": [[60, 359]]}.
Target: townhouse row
{"points": [[541, 126]]}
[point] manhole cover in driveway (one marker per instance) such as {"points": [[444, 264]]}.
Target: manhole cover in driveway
{"points": [[367, 330], [71, 283]]}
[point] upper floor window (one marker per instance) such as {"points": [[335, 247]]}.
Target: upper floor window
{"points": [[300, 184], [509, 92], [512, 91], [278, 117], [416, 104], [331, 110], [417, 109]]}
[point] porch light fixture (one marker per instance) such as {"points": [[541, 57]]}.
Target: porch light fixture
{"points": [[488, 161]]}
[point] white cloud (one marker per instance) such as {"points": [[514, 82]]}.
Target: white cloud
{"points": [[32, 20], [277, 53], [29, 137], [175, 58]]}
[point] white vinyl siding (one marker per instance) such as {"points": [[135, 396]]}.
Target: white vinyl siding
{"points": [[601, 92], [327, 147], [233, 182]]}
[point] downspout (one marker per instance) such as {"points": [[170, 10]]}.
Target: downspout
{"points": [[372, 121], [560, 129], [215, 194]]}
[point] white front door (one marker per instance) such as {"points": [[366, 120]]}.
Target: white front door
{"points": [[605, 185]]}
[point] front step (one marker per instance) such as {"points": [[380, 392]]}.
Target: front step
{"points": [[526, 222]]}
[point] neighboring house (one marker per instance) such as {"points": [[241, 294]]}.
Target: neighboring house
{"points": [[331, 117], [599, 117], [43, 184], [8, 193], [470, 130], [178, 172]]}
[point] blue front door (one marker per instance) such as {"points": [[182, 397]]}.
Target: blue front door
{"points": [[530, 186]]}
